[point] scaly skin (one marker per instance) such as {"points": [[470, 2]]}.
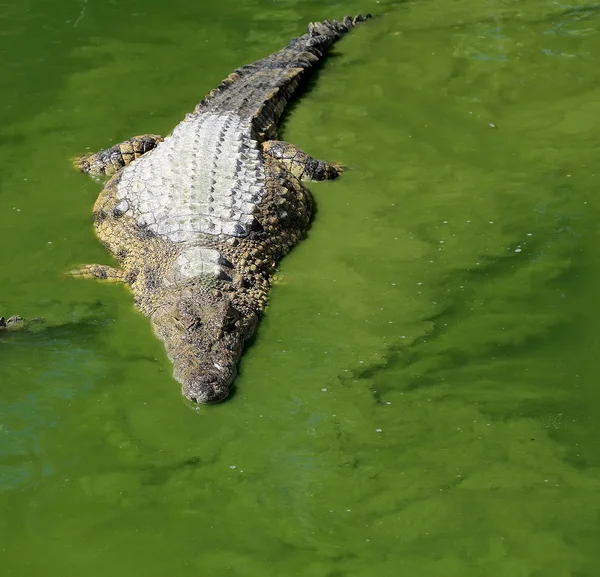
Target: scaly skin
{"points": [[110, 161], [12, 323], [198, 221], [16, 323]]}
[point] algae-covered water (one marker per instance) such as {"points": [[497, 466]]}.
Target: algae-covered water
{"points": [[422, 396]]}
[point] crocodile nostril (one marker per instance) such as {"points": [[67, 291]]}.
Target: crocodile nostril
{"points": [[207, 388]]}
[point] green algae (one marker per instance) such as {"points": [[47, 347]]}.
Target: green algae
{"points": [[421, 396]]}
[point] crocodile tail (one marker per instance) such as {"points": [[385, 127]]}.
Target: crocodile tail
{"points": [[260, 91]]}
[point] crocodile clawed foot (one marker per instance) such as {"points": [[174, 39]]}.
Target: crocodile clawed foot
{"points": [[99, 271], [108, 162], [299, 163], [338, 167]]}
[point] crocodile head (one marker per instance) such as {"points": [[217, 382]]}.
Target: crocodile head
{"points": [[14, 322], [204, 336]]}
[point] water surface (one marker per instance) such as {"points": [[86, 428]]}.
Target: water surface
{"points": [[422, 394]]}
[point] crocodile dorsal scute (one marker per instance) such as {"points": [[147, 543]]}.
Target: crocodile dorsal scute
{"points": [[204, 179]]}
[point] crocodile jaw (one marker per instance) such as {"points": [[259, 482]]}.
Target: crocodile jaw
{"points": [[206, 376], [204, 336], [208, 387]]}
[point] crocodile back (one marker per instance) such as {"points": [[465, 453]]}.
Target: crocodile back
{"points": [[205, 179]]}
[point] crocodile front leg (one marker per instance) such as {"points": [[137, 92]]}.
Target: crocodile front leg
{"points": [[299, 163], [108, 162], [100, 272]]}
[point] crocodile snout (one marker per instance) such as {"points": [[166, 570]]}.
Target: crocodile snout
{"points": [[207, 388]]}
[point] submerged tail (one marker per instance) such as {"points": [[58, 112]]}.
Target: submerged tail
{"points": [[261, 90]]}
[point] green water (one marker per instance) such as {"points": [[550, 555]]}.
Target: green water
{"points": [[422, 396]]}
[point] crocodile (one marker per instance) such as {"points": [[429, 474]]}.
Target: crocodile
{"points": [[198, 220], [15, 322]]}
